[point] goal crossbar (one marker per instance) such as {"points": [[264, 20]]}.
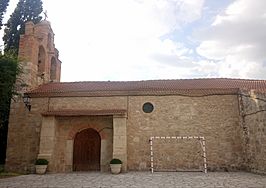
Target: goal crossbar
{"points": [[200, 138]]}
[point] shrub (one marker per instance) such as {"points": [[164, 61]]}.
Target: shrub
{"points": [[41, 162], [115, 161]]}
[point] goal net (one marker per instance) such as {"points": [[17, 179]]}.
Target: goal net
{"points": [[171, 153]]}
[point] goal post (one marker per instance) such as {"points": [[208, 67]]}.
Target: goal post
{"points": [[201, 140]]}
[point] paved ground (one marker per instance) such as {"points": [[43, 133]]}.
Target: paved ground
{"points": [[138, 179]]}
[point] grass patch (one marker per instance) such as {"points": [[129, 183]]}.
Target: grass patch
{"points": [[8, 174], [4, 174]]}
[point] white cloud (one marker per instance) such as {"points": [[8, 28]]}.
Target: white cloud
{"points": [[205, 68], [237, 38], [120, 39], [129, 39]]}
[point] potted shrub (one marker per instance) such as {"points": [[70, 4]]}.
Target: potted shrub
{"points": [[115, 165], [41, 166]]}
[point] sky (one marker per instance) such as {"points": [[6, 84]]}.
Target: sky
{"points": [[122, 40]]}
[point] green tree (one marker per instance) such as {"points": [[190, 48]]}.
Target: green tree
{"points": [[9, 70], [3, 6], [26, 10]]}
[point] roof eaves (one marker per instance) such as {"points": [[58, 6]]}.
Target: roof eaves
{"points": [[185, 92]]}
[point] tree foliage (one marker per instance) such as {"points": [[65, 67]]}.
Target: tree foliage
{"points": [[3, 6], [9, 70], [26, 10]]}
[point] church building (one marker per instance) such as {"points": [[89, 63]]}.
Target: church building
{"points": [[153, 124]]}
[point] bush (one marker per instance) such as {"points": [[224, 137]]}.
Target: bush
{"points": [[9, 70], [41, 162], [115, 161]]}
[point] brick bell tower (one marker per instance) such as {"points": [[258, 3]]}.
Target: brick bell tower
{"points": [[38, 55], [40, 64]]}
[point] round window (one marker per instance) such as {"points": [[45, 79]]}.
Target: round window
{"points": [[147, 107]]}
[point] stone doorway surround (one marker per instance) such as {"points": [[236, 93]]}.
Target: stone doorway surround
{"points": [[49, 138]]}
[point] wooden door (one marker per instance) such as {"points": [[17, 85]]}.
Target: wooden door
{"points": [[87, 148]]}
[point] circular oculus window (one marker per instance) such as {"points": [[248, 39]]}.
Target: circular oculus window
{"points": [[147, 107]]}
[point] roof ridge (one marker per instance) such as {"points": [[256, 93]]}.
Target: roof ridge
{"points": [[185, 79]]}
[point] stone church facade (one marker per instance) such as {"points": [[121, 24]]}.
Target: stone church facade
{"points": [[81, 126]]}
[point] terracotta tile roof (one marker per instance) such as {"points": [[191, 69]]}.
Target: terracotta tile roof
{"points": [[85, 112], [149, 87]]}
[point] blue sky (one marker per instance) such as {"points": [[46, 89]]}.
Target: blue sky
{"points": [[159, 39]]}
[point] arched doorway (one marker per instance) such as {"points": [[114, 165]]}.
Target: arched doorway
{"points": [[87, 149]]}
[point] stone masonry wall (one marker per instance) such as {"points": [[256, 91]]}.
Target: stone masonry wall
{"points": [[254, 121], [24, 135], [85, 103], [214, 117], [25, 127]]}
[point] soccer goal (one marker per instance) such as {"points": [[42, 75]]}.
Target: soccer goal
{"points": [[201, 140]]}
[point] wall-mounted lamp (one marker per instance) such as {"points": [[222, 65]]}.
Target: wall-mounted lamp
{"points": [[26, 100]]}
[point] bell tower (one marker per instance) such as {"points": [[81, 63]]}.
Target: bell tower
{"points": [[40, 64], [38, 55]]}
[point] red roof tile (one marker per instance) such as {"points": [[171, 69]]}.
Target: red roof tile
{"points": [[149, 87]]}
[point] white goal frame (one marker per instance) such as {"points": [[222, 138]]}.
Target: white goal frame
{"points": [[201, 141]]}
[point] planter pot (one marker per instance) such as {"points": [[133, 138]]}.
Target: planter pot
{"points": [[115, 168], [40, 169]]}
